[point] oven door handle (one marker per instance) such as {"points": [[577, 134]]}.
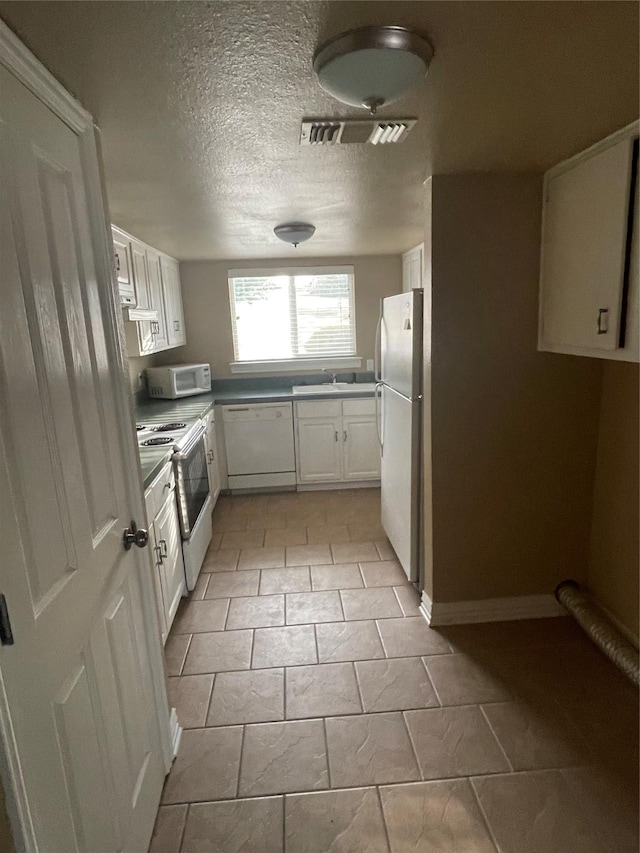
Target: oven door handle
{"points": [[181, 454]]}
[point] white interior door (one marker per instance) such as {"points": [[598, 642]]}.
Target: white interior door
{"points": [[78, 704]]}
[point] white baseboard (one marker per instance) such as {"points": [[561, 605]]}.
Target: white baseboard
{"points": [[175, 730], [489, 609], [348, 484]]}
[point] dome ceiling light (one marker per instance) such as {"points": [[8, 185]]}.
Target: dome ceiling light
{"points": [[294, 232], [372, 66]]}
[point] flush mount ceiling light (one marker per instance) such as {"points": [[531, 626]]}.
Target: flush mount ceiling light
{"points": [[372, 66], [294, 232]]}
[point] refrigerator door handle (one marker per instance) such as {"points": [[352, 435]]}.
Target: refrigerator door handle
{"points": [[378, 408], [377, 354]]}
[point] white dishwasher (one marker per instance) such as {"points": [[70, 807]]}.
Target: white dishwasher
{"points": [[259, 443]]}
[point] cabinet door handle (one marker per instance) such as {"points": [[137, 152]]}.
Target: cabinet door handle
{"points": [[164, 550], [336, 435], [158, 551], [176, 325], [344, 435], [603, 321]]}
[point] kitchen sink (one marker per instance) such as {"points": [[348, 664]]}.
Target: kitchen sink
{"points": [[336, 388]]}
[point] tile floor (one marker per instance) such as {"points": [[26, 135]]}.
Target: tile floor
{"points": [[322, 715]]}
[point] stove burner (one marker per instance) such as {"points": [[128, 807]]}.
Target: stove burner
{"points": [[169, 427], [139, 427], [162, 439]]}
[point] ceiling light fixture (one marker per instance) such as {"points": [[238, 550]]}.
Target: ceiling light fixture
{"points": [[372, 66], [294, 232]]}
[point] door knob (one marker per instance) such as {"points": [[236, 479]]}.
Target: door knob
{"points": [[134, 535]]}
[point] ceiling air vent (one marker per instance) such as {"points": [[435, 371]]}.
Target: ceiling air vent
{"points": [[328, 132]]}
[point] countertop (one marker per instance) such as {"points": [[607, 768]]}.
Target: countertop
{"points": [[153, 459]]}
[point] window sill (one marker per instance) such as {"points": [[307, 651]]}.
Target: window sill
{"points": [[288, 364]]}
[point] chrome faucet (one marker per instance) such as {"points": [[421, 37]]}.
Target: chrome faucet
{"points": [[334, 376]]}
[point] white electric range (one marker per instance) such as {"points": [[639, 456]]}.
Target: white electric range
{"points": [[193, 495]]}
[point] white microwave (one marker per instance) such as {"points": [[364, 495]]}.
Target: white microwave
{"points": [[178, 380]]}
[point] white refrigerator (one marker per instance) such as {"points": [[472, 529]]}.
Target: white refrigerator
{"points": [[399, 400]]}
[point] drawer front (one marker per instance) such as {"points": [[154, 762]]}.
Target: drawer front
{"points": [[318, 409], [156, 494], [359, 407]]}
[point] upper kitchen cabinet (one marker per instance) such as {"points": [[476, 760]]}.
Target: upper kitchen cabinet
{"points": [[412, 262], [124, 274], [158, 300], [589, 259], [173, 301], [150, 293]]}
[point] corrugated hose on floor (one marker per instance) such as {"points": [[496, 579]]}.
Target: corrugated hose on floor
{"points": [[599, 629]]}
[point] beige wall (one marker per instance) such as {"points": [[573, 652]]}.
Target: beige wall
{"points": [[137, 365], [514, 431], [6, 841], [206, 304], [614, 556]]}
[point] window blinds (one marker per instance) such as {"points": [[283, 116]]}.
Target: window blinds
{"points": [[302, 313]]}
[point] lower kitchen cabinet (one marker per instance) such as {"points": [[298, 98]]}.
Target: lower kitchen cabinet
{"points": [[337, 441], [165, 546], [168, 557], [361, 452], [319, 450], [211, 450]]}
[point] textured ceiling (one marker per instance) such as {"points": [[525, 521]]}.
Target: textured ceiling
{"points": [[200, 105]]}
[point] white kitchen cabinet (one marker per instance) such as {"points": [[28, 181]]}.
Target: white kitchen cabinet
{"points": [[173, 301], [211, 450], [157, 299], [336, 441], [361, 456], [165, 546], [141, 335], [588, 287], [151, 294], [319, 450], [124, 273], [168, 557], [412, 262]]}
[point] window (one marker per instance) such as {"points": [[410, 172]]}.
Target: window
{"points": [[303, 314]]}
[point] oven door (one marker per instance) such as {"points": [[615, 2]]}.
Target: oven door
{"points": [[192, 482]]}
